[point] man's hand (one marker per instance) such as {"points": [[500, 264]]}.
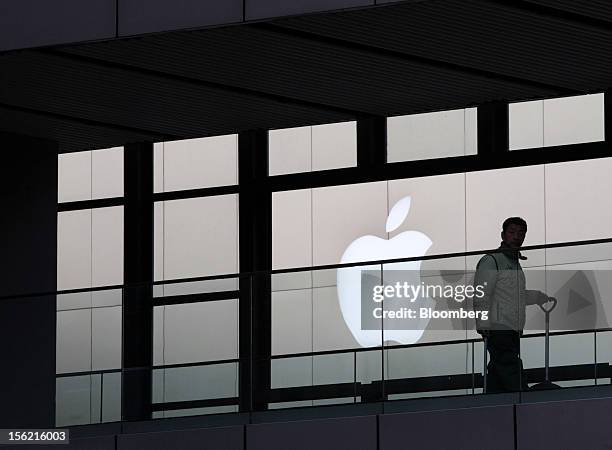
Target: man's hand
{"points": [[545, 299], [484, 333]]}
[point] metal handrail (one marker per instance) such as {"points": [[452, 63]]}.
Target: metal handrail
{"points": [[354, 350], [251, 274]]}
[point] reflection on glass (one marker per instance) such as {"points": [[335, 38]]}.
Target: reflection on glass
{"points": [[209, 381]]}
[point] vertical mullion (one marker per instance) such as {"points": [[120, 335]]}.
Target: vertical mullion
{"points": [[372, 143], [255, 237], [493, 126], [137, 337], [608, 117]]}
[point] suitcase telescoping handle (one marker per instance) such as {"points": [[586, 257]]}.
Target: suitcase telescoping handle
{"points": [[547, 310]]}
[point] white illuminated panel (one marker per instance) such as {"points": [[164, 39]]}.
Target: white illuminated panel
{"points": [[310, 148], [196, 237], [556, 121], [371, 248], [90, 175], [526, 125], [196, 163], [432, 135], [573, 120]]}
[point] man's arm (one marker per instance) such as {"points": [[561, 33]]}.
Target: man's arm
{"points": [[485, 278], [533, 297]]}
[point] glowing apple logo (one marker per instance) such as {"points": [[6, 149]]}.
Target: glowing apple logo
{"points": [[371, 248]]}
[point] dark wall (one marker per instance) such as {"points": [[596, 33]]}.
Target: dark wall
{"points": [[28, 235], [578, 424], [228, 438], [261, 9], [31, 23], [35, 23], [355, 433], [146, 16], [471, 428]]}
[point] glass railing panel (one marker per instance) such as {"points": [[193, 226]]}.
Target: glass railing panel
{"points": [[430, 370], [476, 363], [320, 350], [111, 397], [210, 381], [88, 398], [291, 380], [193, 390], [207, 286], [576, 350], [196, 411], [428, 302], [313, 380], [603, 344], [73, 400], [336, 373], [589, 253]]}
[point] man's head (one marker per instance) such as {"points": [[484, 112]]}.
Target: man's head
{"points": [[513, 231]]}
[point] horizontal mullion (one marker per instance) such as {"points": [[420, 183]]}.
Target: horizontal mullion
{"points": [[193, 193], [189, 404], [195, 298], [317, 392], [431, 384], [568, 373], [90, 204], [440, 166]]}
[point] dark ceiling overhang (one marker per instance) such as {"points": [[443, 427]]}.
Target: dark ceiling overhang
{"points": [[400, 58]]}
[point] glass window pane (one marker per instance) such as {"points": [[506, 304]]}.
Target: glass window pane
{"points": [[158, 336], [73, 345], [111, 397], [106, 338], [290, 150], [196, 163], [330, 331], [335, 368], [577, 200], [526, 122], [291, 321], [77, 300], [494, 195], [291, 372], [90, 248], [107, 246], [342, 214], [418, 136], [107, 173], [90, 175], [334, 145], [73, 400], [74, 249], [428, 361], [107, 297], [200, 237], [318, 147], [74, 176], [196, 382], [196, 332], [556, 121], [292, 229], [437, 209], [572, 120]]}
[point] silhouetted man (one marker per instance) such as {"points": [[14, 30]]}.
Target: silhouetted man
{"points": [[505, 298]]}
